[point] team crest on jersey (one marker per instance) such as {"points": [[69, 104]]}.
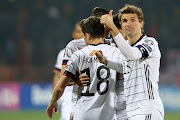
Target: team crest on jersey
{"points": [[149, 42], [148, 47]]}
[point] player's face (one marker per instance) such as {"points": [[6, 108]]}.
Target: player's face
{"points": [[77, 33], [130, 24]]}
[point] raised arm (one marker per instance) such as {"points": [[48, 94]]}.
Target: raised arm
{"points": [[115, 64], [131, 53]]}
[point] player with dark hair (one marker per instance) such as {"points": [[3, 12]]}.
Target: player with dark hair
{"points": [[99, 11], [96, 100]]}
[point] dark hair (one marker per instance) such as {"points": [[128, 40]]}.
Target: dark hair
{"points": [[92, 26], [116, 20], [99, 11]]}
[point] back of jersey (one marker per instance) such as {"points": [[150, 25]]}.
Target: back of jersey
{"points": [[97, 100]]}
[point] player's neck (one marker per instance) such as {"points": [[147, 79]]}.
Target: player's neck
{"points": [[133, 39], [97, 40]]}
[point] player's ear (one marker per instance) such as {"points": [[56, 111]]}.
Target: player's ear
{"points": [[88, 36], [142, 24]]}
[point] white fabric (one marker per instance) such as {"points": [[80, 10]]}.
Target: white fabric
{"points": [[59, 60], [66, 98], [72, 47], [99, 106], [141, 80], [129, 52], [66, 104]]}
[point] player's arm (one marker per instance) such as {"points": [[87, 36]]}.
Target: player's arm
{"points": [[64, 66], [56, 77], [131, 53], [115, 64], [57, 93]]}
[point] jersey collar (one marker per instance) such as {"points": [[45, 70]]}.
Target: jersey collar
{"points": [[138, 39], [96, 44]]}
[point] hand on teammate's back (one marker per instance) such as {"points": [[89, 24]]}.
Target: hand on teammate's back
{"points": [[99, 56], [84, 79]]}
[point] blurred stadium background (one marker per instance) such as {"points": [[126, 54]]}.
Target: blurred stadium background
{"points": [[32, 32]]}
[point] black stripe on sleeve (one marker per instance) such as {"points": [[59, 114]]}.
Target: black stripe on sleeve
{"points": [[64, 62], [69, 74]]}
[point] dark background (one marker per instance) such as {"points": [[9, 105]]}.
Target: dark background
{"points": [[32, 32]]}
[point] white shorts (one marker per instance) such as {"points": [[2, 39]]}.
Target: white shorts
{"points": [[66, 104]]}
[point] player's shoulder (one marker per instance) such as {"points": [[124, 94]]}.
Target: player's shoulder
{"points": [[61, 51], [81, 51], [149, 40], [110, 48], [77, 41]]}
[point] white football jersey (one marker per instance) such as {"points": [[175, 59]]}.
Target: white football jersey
{"points": [[141, 80], [97, 100], [72, 47], [59, 60], [65, 100], [120, 99]]}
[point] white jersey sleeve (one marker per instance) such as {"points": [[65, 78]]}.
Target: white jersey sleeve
{"points": [[59, 60], [147, 47], [131, 53], [116, 62], [72, 66]]}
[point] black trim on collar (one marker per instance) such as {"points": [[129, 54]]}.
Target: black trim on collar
{"points": [[96, 44], [138, 39]]}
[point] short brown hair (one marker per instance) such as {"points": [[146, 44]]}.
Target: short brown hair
{"points": [[92, 26], [99, 11], [132, 9]]}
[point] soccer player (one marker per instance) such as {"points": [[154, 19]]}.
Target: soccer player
{"points": [[120, 97], [96, 100], [65, 100], [71, 47], [140, 64]]}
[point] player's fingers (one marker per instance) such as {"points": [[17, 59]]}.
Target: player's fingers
{"points": [[84, 84], [84, 79], [49, 112], [56, 111], [110, 12], [98, 55], [83, 76], [93, 52]]}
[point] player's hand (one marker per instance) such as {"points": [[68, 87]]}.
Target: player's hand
{"points": [[52, 108], [107, 20], [84, 79], [99, 56], [76, 80]]}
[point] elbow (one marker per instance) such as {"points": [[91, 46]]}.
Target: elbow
{"points": [[131, 57]]}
